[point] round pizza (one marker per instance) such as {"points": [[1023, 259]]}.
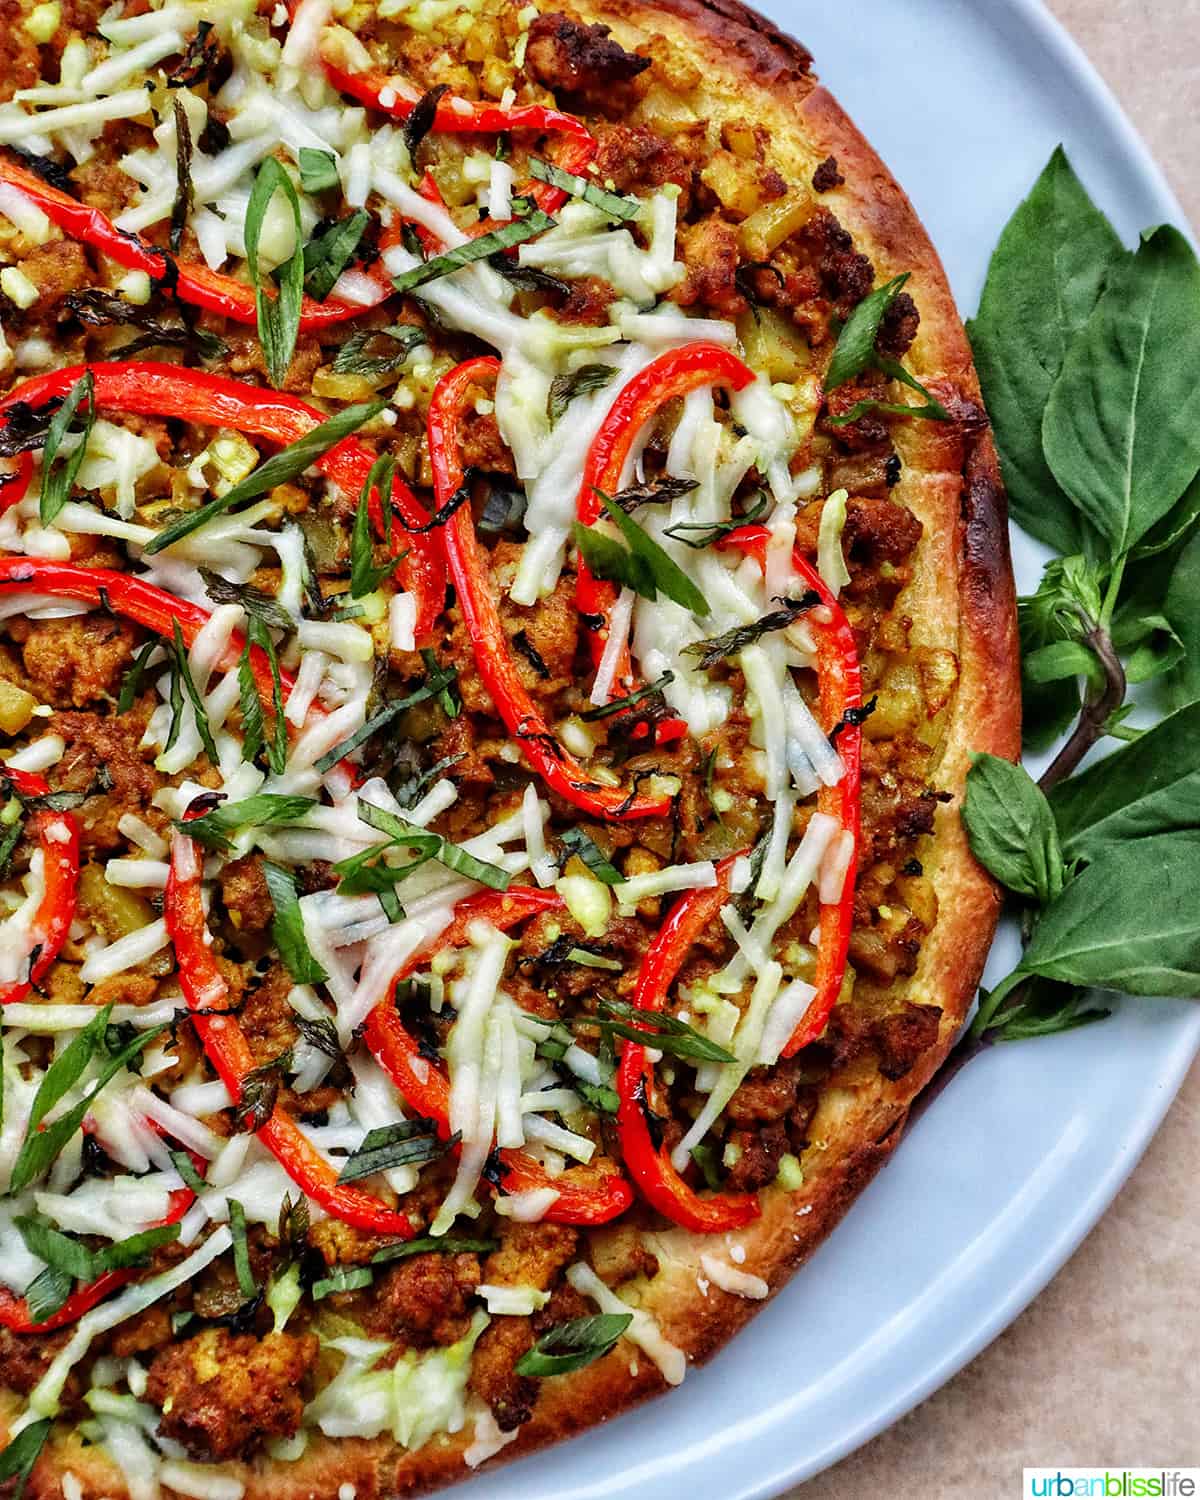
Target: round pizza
{"points": [[502, 572]]}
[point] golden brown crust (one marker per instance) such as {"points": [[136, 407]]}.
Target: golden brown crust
{"points": [[962, 597]]}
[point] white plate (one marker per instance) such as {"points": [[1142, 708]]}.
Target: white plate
{"points": [[1001, 1180]]}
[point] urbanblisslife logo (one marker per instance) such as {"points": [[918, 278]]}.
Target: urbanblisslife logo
{"points": [[1112, 1484]]}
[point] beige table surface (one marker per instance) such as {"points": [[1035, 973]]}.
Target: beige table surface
{"points": [[1104, 1368]]}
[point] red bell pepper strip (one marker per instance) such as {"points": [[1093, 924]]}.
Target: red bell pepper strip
{"points": [[136, 599], [57, 835], [14, 1310], [672, 374], [582, 1199], [159, 390], [229, 1052], [473, 584], [839, 677], [196, 284], [649, 1163], [374, 86]]}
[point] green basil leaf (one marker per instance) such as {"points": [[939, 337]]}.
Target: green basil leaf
{"points": [[567, 387], [278, 312], [327, 255], [280, 468], [574, 1345], [256, 603], [186, 1168], [1122, 425], [712, 651], [1129, 923], [615, 205], [342, 1279], [241, 1249], [58, 1250], [577, 842], [352, 358], [253, 722], [183, 674], [40, 1147], [184, 192], [1011, 829], [409, 835], [429, 689], [645, 567], [1059, 662], [1043, 284], [658, 1029], [446, 1245], [408, 1143], [131, 684], [619, 705], [47, 1293], [134, 1251], [263, 810], [504, 238], [365, 577], [318, 170], [58, 480], [287, 930], [1045, 1009], [1179, 606], [18, 1459], [1149, 788], [1174, 526], [855, 349]]}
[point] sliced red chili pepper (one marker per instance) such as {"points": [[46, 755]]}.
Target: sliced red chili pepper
{"points": [[582, 1198], [195, 284], [160, 390], [374, 87], [14, 1310], [648, 1160], [672, 374], [57, 835], [229, 1052], [839, 679], [473, 583]]}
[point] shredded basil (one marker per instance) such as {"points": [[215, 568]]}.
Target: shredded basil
{"points": [[260, 1090], [241, 1249], [657, 1029], [342, 1279], [318, 170], [186, 1168], [47, 1293], [579, 843], [198, 58], [619, 705], [280, 468], [644, 567], [100, 309], [352, 358], [448, 696], [658, 492], [701, 534], [408, 1143], [131, 684], [327, 255], [430, 689], [181, 676], [321, 1034], [18, 1459], [59, 479], [856, 352], [712, 651], [278, 315], [184, 191], [613, 204], [504, 238], [573, 1345], [420, 120], [256, 603], [263, 810], [365, 577], [572, 384], [287, 930], [408, 835], [446, 1245], [41, 1146]]}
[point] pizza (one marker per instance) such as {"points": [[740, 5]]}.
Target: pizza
{"points": [[503, 572]]}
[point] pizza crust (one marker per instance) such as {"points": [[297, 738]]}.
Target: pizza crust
{"points": [[962, 598]]}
